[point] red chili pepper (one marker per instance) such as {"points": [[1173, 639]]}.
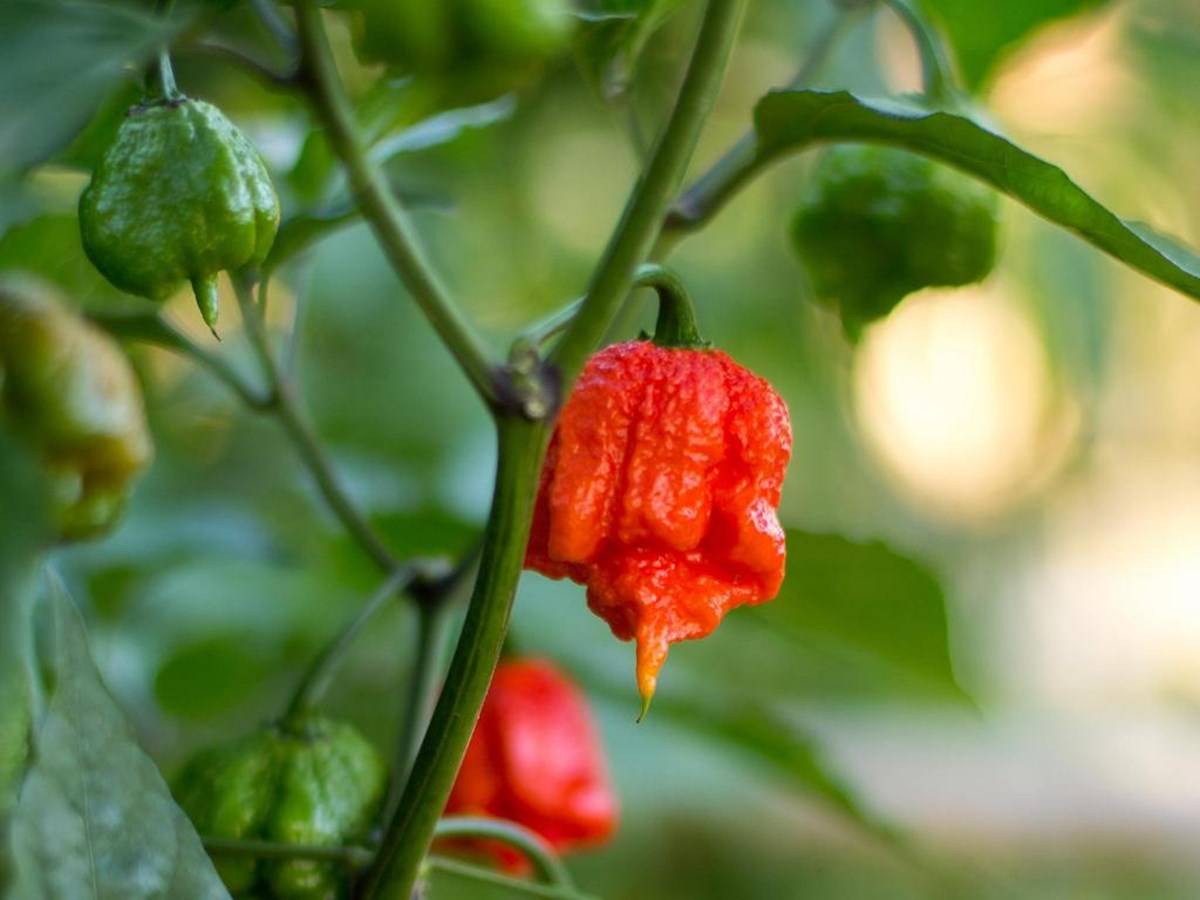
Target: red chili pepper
{"points": [[535, 758], [659, 493]]}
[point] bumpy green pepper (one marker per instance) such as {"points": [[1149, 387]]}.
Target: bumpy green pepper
{"points": [[179, 196], [877, 223], [317, 782], [494, 39], [66, 388]]}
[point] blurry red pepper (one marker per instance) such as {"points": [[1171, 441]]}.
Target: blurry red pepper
{"points": [[659, 493], [535, 759]]}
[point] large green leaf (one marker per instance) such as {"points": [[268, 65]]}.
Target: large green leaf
{"points": [[867, 599], [790, 120], [58, 60], [983, 32], [95, 818]]}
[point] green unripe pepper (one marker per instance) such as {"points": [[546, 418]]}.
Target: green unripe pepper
{"points": [[877, 223], [180, 195], [316, 782], [69, 391]]}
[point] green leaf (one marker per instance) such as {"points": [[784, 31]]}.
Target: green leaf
{"points": [[791, 120], [58, 60], [982, 33], [750, 728], [867, 599], [95, 818]]}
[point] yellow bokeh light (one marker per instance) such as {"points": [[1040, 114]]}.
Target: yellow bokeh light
{"points": [[955, 399]]}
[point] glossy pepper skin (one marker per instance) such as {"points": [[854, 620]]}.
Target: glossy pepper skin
{"points": [[877, 223], [535, 759], [180, 195], [659, 493], [68, 391], [318, 782]]}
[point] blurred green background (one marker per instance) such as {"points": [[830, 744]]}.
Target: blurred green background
{"points": [[981, 679]]}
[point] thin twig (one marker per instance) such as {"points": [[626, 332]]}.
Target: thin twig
{"points": [[154, 329], [287, 409], [317, 678], [547, 866], [353, 858], [450, 866], [260, 70]]}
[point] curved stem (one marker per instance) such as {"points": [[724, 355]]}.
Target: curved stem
{"points": [[937, 75], [546, 864], [522, 446], [507, 882], [317, 678], [311, 452], [381, 209], [354, 858], [676, 325]]}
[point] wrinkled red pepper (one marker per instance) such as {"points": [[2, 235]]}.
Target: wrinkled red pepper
{"points": [[659, 493], [535, 759]]}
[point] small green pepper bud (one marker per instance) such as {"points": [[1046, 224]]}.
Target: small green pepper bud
{"points": [[317, 782], [180, 195], [876, 224]]}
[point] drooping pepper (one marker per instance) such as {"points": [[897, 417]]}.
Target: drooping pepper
{"points": [[535, 759], [180, 195], [316, 782], [877, 223], [659, 494], [69, 392]]}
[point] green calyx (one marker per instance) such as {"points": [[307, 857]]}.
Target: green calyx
{"points": [[70, 394], [491, 41], [676, 326], [179, 196], [877, 223], [317, 782]]}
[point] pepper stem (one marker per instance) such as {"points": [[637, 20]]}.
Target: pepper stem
{"points": [[676, 325], [207, 298]]}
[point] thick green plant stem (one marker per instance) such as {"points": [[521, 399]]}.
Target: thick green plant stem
{"points": [[381, 209], [734, 166], [642, 220], [411, 827], [522, 445]]}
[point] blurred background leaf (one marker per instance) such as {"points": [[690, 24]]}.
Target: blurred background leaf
{"points": [[982, 34], [95, 817], [58, 60]]}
